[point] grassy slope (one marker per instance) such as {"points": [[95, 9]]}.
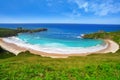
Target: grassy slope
{"points": [[27, 66]]}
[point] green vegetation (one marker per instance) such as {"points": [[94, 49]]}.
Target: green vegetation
{"points": [[38, 30], [115, 36], [5, 54], [27, 66], [21, 30], [4, 32], [7, 32]]}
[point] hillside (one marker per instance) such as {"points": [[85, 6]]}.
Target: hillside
{"points": [[5, 32], [27, 66], [115, 36]]}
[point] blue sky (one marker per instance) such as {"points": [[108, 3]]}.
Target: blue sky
{"points": [[60, 11]]}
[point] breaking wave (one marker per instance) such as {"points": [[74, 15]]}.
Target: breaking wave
{"points": [[57, 48]]}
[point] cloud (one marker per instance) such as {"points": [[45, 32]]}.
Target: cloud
{"points": [[82, 4], [98, 7]]}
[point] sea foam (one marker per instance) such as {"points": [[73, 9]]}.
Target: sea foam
{"points": [[55, 47]]}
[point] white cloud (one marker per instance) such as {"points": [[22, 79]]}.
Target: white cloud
{"points": [[82, 4], [105, 8], [98, 7], [85, 6]]}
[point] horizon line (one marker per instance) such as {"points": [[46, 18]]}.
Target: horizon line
{"points": [[57, 23]]}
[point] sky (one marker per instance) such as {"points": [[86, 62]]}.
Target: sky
{"points": [[60, 11]]}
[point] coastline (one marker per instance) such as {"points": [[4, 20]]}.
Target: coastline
{"points": [[112, 47]]}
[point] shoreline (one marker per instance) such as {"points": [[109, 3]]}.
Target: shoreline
{"points": [[112, 47]]}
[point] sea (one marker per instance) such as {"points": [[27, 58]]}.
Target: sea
{"points": [[60, 38]]}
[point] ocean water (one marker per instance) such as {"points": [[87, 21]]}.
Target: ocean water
{"points": [[60, 38]]}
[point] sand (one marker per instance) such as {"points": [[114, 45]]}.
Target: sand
{"points": [[112, 47]]}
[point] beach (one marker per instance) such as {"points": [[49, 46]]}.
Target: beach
{"points": [[111, 47]]}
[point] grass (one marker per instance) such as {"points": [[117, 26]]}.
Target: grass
{"points": [[27, 66], [115, 36], [6, 32]]}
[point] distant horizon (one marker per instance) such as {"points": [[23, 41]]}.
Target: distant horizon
{"points": [[65, 23]]}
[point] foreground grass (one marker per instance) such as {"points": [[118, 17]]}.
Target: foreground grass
{"points": [[27, 66]]}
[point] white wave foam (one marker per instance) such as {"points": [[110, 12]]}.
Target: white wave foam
{"points": [[80, 36], [53, 47]]}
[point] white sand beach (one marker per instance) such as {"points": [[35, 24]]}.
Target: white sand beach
{"points": [[112, 47]]}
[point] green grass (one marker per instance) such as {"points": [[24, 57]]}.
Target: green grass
{"points": [[115, 36], [27, 66], [4, 54], [6, 32]]}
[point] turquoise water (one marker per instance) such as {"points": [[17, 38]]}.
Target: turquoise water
{"points": [[55, 42]]}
